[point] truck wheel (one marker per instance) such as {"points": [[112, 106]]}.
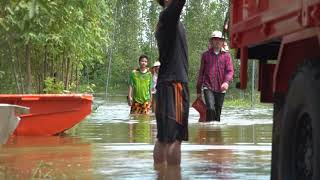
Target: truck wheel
{"points": [[277, 117], [299, 154]]}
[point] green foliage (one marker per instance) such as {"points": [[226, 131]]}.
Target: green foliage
{"points": [[62, 37], [52, 87], [77, 40], [243, 98], [84, 88], [244, 103], [2, 73], [89, 89], [202, 17]]}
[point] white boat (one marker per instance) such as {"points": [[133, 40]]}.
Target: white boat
{"points": [[9, 120]]}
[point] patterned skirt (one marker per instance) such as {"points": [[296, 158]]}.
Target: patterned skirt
{"points": [[138, 108]]}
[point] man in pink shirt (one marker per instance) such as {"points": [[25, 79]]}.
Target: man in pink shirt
{"points": [[215, 75]]}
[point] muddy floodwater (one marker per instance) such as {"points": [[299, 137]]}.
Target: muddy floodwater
{"points": [[110, 144]]}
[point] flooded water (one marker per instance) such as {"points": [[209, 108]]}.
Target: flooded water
{"points": [[110, 144]]}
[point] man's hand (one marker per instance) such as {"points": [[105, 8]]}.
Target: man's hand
{"points": [[153, 91], [150, 104], [129, 101], [224, 86], [198, 95]]}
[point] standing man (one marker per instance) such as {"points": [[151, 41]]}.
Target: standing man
{"points": [[172, 88], [215, 75], [139, 93]]}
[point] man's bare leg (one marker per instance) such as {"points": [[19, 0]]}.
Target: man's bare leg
{"points": [[160, 154], [174, 153], [173, 173]]}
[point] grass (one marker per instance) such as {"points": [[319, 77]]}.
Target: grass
{"points": [[245, 103]]}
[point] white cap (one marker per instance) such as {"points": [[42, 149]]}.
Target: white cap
{"points": [[217, 34], [157, 63]]}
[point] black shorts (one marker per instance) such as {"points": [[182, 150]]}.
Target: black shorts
{"points": [[172, 111]]}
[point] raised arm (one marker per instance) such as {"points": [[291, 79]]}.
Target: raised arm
{"points": [[171, 14]]}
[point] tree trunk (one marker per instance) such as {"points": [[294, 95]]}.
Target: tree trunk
{"points": [[19, 67], [77, 81], [66, 82], [71, 74], [28, 66], [14, 70], [45, 66], [39, 83], [37, 71], [51, 64], [62, 64]]}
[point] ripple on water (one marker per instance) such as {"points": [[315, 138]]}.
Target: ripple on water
{"points": [[111, 144]]}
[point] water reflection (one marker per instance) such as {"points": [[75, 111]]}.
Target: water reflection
{"points": [[111, 144], [209, 136], [45, 158], [141, 130], [216, 162]]}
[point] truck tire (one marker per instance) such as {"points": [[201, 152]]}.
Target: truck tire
{"points": [[299, 153], [277, 118]]}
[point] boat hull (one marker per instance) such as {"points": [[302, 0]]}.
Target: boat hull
{"points": [[9, 120], [50, 114]]}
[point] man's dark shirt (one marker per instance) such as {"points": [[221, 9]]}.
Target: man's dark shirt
{"points": [[172, 44]]}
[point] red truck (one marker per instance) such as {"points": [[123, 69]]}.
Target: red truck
{"points": [[284, 37]]}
